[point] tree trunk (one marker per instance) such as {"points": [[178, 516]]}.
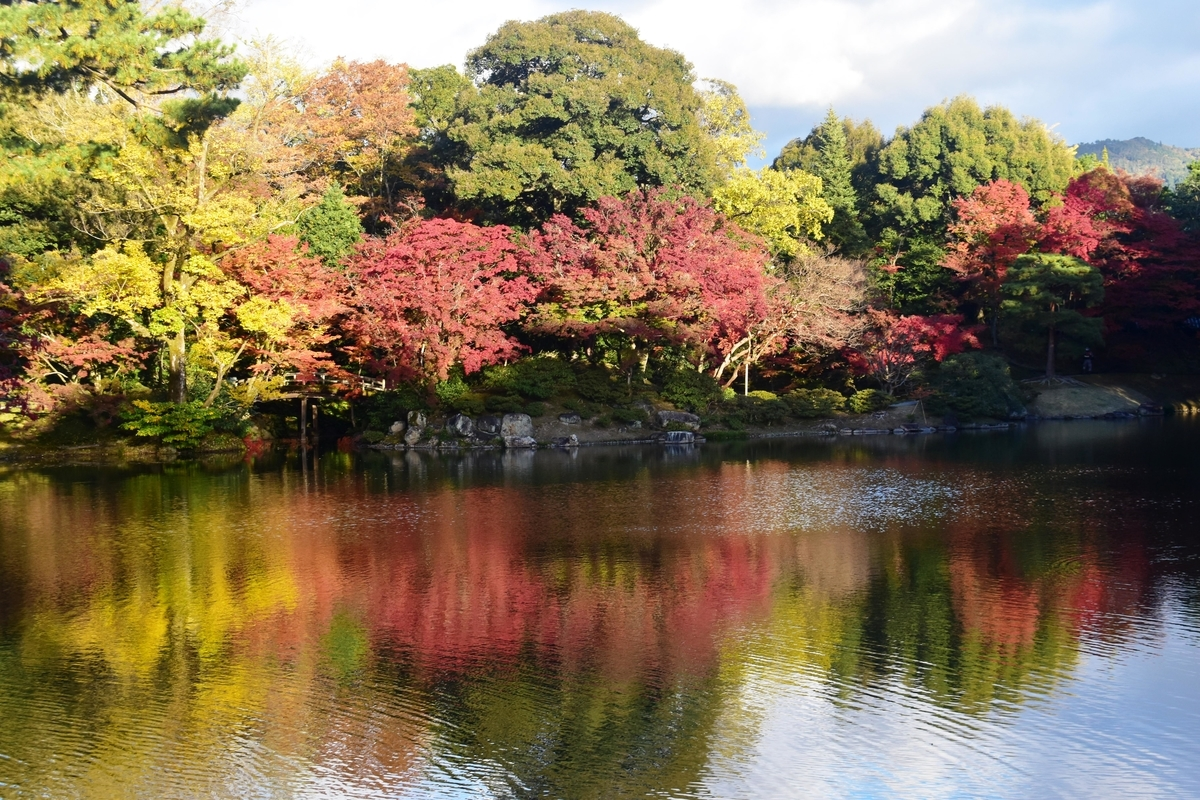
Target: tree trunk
{"points": [[749, 352], [1050, 355], [995, 334], [177, 368]]}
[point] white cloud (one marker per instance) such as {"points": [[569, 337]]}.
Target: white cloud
{"points": [[1099, 67], [799, 53]]}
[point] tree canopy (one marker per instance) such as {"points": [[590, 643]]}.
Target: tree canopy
{"points": [[955, 147], [571, 108]]}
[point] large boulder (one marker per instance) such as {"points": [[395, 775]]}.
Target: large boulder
{"points": [[416, 419], [520, 442], [570, 418], [680, 437], [413, 435], [397, 428], [680, 419], [460, 425], [488, 425], [516, 425]]}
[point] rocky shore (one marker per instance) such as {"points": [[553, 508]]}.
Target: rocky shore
{"points": [[518, 431], [1101, 397]]}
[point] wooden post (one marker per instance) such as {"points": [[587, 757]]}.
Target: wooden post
{"points": [[316, 427], [303, 421]]}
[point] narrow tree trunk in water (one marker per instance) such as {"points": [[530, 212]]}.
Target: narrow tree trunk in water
{"points": [[1050, 355], [177, 368]]}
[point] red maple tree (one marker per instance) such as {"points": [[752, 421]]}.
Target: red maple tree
{"points": [[435, 294], [895, 346], [1116, 222], [992, 227], [279, 269], [650, 267]]}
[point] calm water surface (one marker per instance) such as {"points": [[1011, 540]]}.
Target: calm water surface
{"points": [[989, 615]]}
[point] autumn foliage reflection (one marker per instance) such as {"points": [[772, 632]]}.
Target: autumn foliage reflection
{"points": [[261, 598]]}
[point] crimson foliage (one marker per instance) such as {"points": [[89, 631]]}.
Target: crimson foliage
{"points": [[437, 294], [652, 268]]}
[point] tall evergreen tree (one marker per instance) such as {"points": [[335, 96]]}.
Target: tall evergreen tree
{"points": [[1184, 200], [331, 228], [833, 167]]}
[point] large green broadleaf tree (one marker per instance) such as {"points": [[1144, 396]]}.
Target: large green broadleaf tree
{"points": [[570, 108]]}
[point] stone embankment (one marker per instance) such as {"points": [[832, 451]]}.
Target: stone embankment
{"points": [[520, 431]]}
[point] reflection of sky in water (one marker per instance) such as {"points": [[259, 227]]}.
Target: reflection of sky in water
{"points": [[934, 617], [1116, 731]]}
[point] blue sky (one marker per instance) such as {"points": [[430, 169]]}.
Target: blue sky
{"points": [[1091, 70]]}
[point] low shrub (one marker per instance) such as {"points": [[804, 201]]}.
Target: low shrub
{"points": [[756, 408], [451, 389], [598, 385], [975, 385], [691, 390], [184, 426], [603, 421], [505, 404], [867, 400], [814, 403], [536, 409], [470, 403], [628, 415], [537, 378], [222, 442], [374, 437], [381, 409], [582, 407]]}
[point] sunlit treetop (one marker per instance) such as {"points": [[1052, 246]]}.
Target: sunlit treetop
{"points": [[726, 120], [571, 108], [54, 45]]}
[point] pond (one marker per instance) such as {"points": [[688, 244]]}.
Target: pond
{"points": [[971, 615]]}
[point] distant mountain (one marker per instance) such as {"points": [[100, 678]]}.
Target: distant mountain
{"points": [[1141, 156]]}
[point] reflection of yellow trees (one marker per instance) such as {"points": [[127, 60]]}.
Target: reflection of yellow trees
{"points": [[548, 629], [179, 602]]}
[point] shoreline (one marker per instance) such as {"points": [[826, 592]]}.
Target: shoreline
{"points": [[118, 456], [1080, 398]]}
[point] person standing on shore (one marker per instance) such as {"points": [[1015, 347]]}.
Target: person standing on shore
{"points": [[1087, 361]]}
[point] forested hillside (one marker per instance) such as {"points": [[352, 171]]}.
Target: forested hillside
{"points": [[1140, 156]]}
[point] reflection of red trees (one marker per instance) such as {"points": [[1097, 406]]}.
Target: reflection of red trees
{"points": [[992, 600], [1006, 606], [459, 585]]}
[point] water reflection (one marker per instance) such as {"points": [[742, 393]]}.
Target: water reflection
{"points": [[595, 624]]}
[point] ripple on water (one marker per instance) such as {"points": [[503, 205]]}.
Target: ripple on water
{"points": [[698, 627]]}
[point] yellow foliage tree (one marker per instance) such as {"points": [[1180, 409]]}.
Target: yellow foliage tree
{"points": [[726, 120], [785, 208]]}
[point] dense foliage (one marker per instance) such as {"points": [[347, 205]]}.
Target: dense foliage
{"points": [[571, 221]]}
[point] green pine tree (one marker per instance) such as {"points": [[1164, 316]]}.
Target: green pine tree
{"points": [[833, 167], [1048, 293], [331, 228]]}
